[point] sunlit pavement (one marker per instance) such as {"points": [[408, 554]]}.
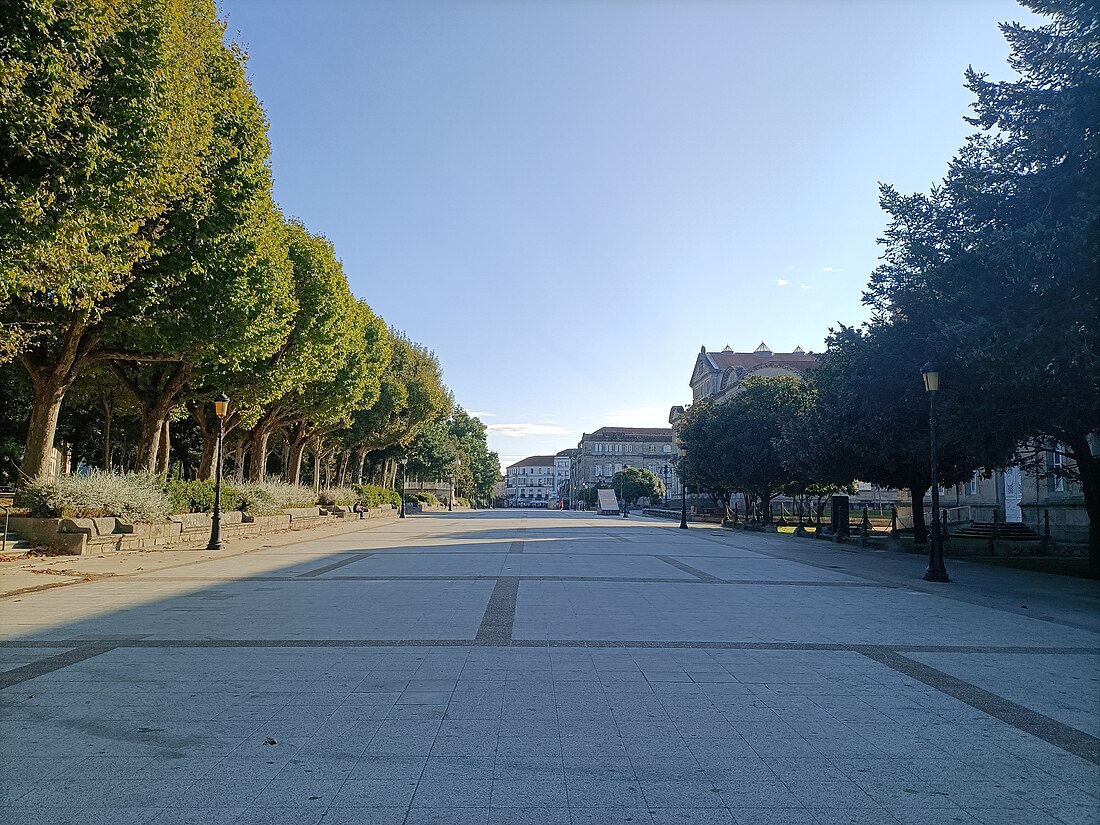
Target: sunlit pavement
{"points": [[544, 667]]}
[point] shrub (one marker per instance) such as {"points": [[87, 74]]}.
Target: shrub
{"points": [[257, 500], [198, 496], [265, 498], [374, 495], [426, 498], [134, 497], [338, 495]]}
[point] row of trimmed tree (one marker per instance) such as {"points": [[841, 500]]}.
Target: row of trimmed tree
{"points": [[145, 268], [994, 275]]}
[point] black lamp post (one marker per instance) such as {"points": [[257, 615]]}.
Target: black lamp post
{"points": [[664, 475], [683, 489], [221, 406], [401, 512], [936, 571]]}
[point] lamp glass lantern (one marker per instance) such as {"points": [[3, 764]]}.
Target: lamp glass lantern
{"points": [[931, 375]]}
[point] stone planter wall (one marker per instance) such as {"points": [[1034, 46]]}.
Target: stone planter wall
{"points": [[187, 531]]}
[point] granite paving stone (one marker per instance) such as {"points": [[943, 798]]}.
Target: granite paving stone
{"points": [[548, 667]]}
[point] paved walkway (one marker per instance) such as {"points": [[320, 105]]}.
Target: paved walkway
{"points": [[526, 667]]}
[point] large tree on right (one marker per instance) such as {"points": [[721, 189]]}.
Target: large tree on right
{"points": [[1001, 262]]}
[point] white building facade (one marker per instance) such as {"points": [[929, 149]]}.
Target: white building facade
{"points": [[532, 479]]}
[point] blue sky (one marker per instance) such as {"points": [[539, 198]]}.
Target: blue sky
{"points": [[565, 200]]}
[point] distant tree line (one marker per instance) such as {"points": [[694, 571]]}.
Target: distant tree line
{"points": [[145, 268], [994, 275]]}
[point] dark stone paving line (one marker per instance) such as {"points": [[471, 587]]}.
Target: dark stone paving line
{"points": [[313, 577], [51, 663], [516, 546], [336, 565], [687, 568], [1049, 730], [872, 650], [500, 613]]}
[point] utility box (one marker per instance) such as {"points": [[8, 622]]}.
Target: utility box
{"points": [[838, 517]]}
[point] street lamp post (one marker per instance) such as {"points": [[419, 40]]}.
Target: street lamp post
{"points": [[403, 462], [683, 490], [936, 571], [664, 475], [221, 406]]}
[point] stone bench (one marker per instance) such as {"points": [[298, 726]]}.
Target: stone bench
{"points": [[302, 518]]}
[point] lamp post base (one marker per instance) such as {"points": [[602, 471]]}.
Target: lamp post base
{"points": [[214, 546], [931, 575]]}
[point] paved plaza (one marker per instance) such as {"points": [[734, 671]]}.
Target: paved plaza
{"points": [[546, 668]]}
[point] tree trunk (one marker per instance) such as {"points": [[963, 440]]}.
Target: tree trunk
{"points": [[51, 375], [920, 527], [342, 469], [165, 450], [209, 442], [297, 442], [1088, 466], [257, 465], [239, 460], [184, 456], [108, 410], [766, 507], [38, 451], [316, 468], [360, 460], [155, 389]]}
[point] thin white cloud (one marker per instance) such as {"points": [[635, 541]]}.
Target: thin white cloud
{"points": [[782, 282], [807, 286], [829, 269], [482, 415], [521, 430]]}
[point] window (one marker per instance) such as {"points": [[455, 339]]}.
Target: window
{"points": [[666, 448], [1057, 461], [618, 448], [972, 485], [630, 448]]}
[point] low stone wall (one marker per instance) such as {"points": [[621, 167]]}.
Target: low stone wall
{"points": [[186, 531]]}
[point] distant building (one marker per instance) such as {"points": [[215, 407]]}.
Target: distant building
{"points": [[717, 374], [601, 454], [563, 475], [531, 479], [717, 377]]}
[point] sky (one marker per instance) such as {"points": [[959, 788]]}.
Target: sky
{"points": [[565, 199]]}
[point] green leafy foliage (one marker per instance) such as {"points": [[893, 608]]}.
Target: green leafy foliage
{"points": [[734, 446], [633, 483], [1000, 260], [344, 496], [272, 496], [374, 495], [133, 497]]}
